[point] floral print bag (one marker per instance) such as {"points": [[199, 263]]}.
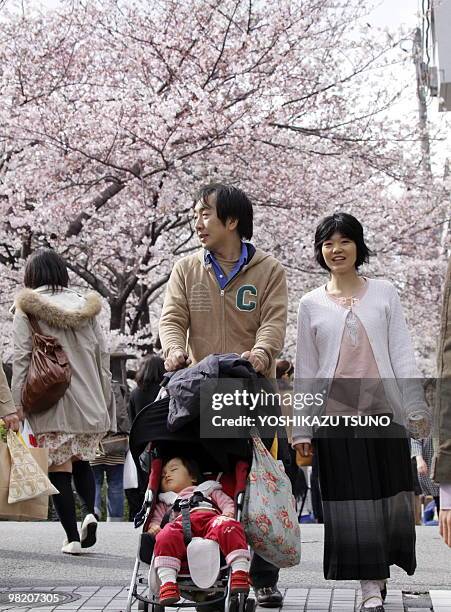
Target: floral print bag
{"points": [[269, 513]]}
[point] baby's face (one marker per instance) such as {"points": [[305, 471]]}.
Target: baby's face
{"points": [[175, 477]]}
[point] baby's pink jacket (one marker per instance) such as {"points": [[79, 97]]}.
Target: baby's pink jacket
{"points": [[221, 499]]}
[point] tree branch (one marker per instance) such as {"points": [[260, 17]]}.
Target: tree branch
{"points": [[76, 225], [92, 280]]}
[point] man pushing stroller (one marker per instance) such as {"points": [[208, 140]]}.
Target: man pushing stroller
{"points": [[228, 298], [185, 510]]}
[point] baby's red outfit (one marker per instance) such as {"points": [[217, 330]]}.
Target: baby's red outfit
{"points": [[170, 548], [206, 522]]}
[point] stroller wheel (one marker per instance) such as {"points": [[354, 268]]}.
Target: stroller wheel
{"points": [[251, 605], [233, 605], [242, 603], [157, 608]]}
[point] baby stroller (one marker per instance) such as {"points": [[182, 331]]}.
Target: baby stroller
{"points": [[225, 460]]}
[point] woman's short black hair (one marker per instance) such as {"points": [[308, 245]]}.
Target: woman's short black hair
{"points": [[150, 372], [346, 225], [46, 267], [231, 203]]}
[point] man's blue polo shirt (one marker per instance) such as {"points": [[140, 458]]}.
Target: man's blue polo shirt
{"points": [[221, 277]]}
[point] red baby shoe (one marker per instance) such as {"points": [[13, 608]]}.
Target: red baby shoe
{"points": [[239, 582], [169, 594]]}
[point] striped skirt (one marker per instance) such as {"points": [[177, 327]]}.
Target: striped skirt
{"points": [[368, 501]]}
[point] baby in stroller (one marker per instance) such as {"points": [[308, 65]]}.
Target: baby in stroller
{"points": [[188, 508]]}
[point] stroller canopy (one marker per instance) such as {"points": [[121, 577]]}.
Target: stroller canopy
{"points": [[212, 454]]}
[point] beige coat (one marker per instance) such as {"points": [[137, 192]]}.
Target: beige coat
{"points": [[441, 471], [71, 318], [249, 314], [6, 400]]}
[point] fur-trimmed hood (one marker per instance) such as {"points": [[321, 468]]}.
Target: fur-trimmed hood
{"points": [[64, 310]]}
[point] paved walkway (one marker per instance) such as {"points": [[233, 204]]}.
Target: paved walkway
{"points": [[113, 599], [97, 581]]}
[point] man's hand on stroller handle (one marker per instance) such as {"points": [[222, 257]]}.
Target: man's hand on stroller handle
{"points": [[255, 360], [153, 529], [176, 360]]}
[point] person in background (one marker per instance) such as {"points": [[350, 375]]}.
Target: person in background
{"points": [[297, 476], [110, 459], [8, 413], [422, 452], [284, 373], [148, 379], [72, 428], [441, 470], [417, 489]]}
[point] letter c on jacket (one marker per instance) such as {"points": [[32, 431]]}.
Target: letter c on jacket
{"points": [[242, 300]]}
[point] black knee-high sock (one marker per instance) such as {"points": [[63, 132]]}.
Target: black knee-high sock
{"points": [[65, 504], [84, 483]]}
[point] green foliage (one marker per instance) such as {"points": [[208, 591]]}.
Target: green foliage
{"points": [[2, 432]]}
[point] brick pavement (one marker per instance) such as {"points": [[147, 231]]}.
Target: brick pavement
{"points": [[113, 599]]}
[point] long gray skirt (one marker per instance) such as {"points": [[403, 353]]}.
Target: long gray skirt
{"points": [[368, 502]]}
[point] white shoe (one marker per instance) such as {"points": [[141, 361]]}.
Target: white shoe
{"points": [[203, 561], [71, 548], [88, 531]]}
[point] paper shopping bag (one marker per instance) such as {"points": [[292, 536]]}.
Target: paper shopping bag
{"points": [[27, 479], [31, 510], [130, 472]]}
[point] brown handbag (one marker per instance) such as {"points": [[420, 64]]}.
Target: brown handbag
{"points": [[114, 444], [49, 373]]}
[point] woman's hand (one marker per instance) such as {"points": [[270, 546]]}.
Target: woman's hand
{"points": [[422, 467], [445, 526], [154, 529], [12, 421], [305, 449]]}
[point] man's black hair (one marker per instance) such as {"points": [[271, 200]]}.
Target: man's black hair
{"points": [[347, 226], [46, 267], [231, 203]]}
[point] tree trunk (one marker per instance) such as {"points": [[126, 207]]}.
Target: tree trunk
{"points": [[117, 365], [117, 318]]}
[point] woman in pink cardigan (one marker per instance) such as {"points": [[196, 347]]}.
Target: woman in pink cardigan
{"points": [[353, 342], [211, 518]]}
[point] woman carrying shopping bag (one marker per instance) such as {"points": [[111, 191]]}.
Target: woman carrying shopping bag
{"points": [[353, 342], [72, 427]]}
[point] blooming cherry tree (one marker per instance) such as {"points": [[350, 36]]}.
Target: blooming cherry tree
{"points": [[113, 113]]}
